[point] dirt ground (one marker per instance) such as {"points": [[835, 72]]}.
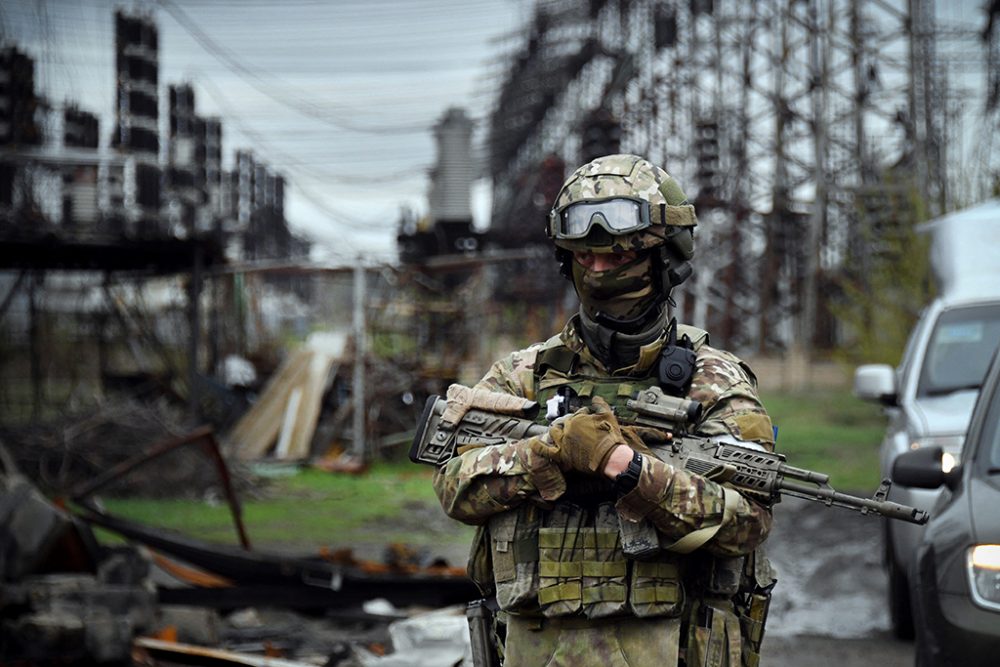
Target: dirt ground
{"points": [[829, 604]]}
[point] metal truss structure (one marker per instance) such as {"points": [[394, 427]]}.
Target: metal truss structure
{"points": [[792, 124]]}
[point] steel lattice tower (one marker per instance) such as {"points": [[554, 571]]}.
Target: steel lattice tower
{"points": [[791, 124]]}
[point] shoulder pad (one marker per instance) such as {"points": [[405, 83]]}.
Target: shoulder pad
{"points": [[554, 354], [727, 357], [698, 336], [554, 341]]}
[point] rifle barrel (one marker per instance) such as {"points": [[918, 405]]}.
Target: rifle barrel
{"points": [[831, 497]]}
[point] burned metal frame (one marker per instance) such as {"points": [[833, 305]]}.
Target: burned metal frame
{"points": [[203, 435], [281, 580], [252, 577]]}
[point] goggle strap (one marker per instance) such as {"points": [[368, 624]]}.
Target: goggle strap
{"points": [[678, 216]]}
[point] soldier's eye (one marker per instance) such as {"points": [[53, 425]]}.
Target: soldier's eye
{"points": [[617, 259]]}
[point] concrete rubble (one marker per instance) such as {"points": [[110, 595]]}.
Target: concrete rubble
{"points": [[161, 598], [61, 595]]}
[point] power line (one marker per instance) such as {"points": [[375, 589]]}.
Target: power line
{"points": [[336, 216], [294, 162], [299, 103]]}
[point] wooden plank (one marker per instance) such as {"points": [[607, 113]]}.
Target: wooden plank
{"points": [[313, 389], [288, 425], [255, 432], [329, 347]]}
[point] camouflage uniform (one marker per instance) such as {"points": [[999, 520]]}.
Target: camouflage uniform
{"points": [[555, 540], [483, 483]]}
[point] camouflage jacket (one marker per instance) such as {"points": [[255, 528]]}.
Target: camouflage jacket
{"points": [[482, 482]]}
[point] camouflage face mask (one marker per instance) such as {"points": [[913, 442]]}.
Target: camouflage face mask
{"points": [[622, 293]]}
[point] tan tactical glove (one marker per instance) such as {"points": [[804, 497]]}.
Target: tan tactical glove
{"points": [[584, 440], [640, 437], [543, 472]]}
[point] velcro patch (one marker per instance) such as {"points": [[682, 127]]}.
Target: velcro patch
{"points": [[752, 426]]}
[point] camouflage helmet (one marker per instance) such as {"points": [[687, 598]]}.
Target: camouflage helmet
{"points": [[669, 218]]}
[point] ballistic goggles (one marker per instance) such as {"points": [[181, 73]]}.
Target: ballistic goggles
{"points": [[620, 215]]}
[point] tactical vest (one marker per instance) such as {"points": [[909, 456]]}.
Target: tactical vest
{"points": [[569, 561]]}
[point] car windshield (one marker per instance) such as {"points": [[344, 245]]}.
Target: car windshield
{"points": [[960, 350]]}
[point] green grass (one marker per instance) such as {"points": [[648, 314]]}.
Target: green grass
{"points": [[390, 503], [829, 432]]}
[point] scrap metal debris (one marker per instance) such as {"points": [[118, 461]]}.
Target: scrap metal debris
{"points": [[177, 653], [203, 437], [164, 598], [432, 639], [293, 582], [66, 452], [61, 594]]}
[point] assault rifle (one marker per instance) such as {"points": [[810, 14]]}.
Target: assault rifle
{"points": [[487, 418]]}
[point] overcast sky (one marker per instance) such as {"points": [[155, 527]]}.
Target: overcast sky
{"points": [[337, 96]]}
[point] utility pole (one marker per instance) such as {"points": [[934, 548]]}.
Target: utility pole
{"points": [[194, 331], [358, 387], [770, 292], [818, 58]]}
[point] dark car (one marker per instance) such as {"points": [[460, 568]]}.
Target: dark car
{"points": [[955, 576]]}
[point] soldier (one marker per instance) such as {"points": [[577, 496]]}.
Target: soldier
{"points": [[558, 515]]}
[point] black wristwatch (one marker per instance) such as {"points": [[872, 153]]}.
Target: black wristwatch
{"points": [[627, 479]]}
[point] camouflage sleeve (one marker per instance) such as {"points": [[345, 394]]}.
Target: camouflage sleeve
{"points": [[482, 482], [727, 391], [513, 374], [678, 502]]}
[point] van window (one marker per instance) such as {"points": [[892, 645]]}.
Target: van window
{"points": [[959, 350]]}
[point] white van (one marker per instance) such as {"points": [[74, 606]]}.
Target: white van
{"points": [[929, 397]]}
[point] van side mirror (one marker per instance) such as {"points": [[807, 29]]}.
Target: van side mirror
{"points": [[921, 468], [876, 383]]}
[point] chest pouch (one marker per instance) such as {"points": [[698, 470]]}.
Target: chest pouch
{"points": [[604, 566], [560, 561], [655, 587], [581, 567], [514, 552]]}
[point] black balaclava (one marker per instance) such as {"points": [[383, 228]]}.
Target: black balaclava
{"points": [[617, 349]]}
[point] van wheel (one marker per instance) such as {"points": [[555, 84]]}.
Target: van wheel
{"points": [[900, 606]]}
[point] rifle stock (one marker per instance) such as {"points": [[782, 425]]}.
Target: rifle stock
{"points": [[437, 440]]}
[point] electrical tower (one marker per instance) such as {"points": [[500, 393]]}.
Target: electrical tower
{"points": [[794, 126]]}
